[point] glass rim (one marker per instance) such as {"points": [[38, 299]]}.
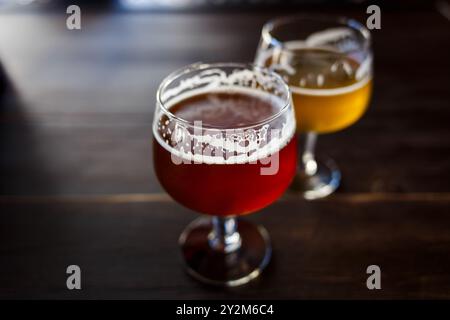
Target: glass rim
{"points": [[340, 20], [203, 66]]}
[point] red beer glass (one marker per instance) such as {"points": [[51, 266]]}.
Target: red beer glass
{"points": [[224, 146]]}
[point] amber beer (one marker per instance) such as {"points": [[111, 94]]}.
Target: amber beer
{"points": [[327, 90], [222, 184]]}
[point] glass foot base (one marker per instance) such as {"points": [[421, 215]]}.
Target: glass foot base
{"points": [[225, 269], [319, 185]]}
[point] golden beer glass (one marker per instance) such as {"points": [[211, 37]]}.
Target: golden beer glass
{"points": [[327, 62]]}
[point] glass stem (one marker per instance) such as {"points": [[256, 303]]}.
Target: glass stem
{"points": [[308, 161], [224, 236]]}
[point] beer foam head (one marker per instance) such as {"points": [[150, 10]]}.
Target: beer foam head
{"points": [[201, 143], [188, 140], [313, 68]]}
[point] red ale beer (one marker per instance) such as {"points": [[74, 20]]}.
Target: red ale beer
{"points": [[226, 158]]}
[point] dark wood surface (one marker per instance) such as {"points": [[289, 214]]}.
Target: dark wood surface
{"points": [[77, 184]]}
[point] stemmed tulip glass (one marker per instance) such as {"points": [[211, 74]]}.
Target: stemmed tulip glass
{"points": [[224, 146], [327, 62]]}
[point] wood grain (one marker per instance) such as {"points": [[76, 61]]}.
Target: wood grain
{"points": [[321, 250]]}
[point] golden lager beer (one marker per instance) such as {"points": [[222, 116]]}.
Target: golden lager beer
{"points": [[327, 63], [327, 90]]}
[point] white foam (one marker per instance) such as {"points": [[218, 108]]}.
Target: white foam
{"points": [[315, 41], [333, 91], [248, 144]]}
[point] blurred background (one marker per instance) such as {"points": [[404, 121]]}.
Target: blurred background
{"points": [[77, 182], [86, 97]]}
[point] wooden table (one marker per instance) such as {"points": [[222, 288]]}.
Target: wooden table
{"points": [[78, 185]]}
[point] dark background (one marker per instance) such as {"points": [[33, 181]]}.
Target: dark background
{"points": [[77, 184]]}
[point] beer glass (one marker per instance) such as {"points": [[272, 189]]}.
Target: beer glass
{"points": [[224, 146], [327, 62]]}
